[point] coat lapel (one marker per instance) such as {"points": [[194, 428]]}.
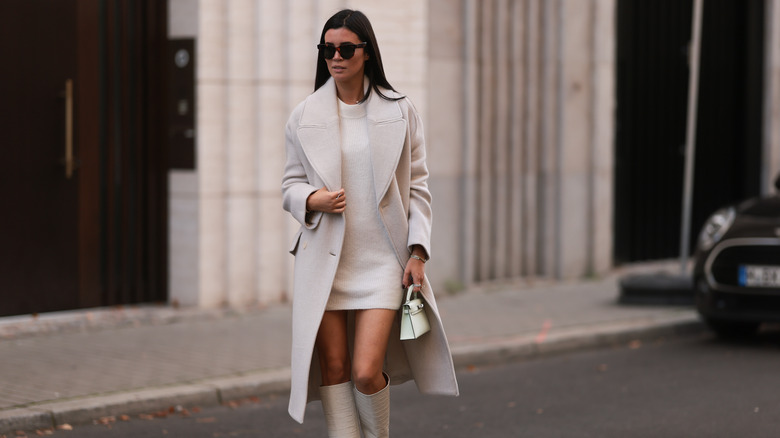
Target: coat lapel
{"points": [[386, 132], [321, 139], [318, 132]]}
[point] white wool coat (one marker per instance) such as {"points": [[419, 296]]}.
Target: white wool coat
{"points": [[400, 173]]}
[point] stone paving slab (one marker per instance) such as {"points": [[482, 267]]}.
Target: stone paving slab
{"points": [[68, 365]]}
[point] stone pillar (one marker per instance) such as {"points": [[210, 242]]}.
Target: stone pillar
{"points": [[241, 151], [548, 147], [531, 138], [603, 120], [575, 138], [211, 152], [445, 141], [470, 145], [771, 161]]}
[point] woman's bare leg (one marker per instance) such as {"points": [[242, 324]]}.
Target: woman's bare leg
{"points": [[333, 348], [372, 332]]}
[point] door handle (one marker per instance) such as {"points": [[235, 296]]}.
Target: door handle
{"points": [[69, 161]]}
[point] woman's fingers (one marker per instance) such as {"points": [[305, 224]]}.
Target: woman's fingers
{"points": [[327, 202], [413, 275], [339, 201]]}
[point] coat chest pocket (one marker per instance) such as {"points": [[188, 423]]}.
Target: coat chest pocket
{"points": [[296, 241]]}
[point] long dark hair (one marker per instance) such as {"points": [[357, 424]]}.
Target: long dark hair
{"points": [[357, 22]]}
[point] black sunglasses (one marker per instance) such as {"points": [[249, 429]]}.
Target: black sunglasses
{"points": [[346, 50]]}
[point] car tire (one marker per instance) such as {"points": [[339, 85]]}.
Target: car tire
{"points": [[733, 329]]}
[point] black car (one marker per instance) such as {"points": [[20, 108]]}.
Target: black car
{"points": [[737, 271]]}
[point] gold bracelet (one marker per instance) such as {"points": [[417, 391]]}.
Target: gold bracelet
{"points": [[415, 256]]}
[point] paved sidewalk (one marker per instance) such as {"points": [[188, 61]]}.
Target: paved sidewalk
{"points": [[74, 367]]}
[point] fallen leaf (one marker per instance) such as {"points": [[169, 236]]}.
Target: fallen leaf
{"points": [[124, 417], [65, 426], [146, 417], [106, 420], [206, 420], [635, 344]]}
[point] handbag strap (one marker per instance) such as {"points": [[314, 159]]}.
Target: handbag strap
{"points": [[409, 293]]}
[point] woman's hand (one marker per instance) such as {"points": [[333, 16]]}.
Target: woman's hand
{"points": [[327, 202], [414, 274]]}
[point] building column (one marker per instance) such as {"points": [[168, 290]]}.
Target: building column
{"points": [[603, 138], [241, 147], [771, 158], [211, 152]]}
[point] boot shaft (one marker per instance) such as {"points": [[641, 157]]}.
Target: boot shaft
{"points": [[374, 411], [341, 416]]}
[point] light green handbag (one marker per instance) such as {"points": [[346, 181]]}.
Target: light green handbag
{"points": [[414, 320]]}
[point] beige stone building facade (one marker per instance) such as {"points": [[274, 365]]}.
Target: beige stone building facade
{"points": [[518, 101]]}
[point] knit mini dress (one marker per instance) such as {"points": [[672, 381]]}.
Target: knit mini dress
{"points": [[369, 275]]}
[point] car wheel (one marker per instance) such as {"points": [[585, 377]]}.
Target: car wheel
{"points": [[733, 329]]}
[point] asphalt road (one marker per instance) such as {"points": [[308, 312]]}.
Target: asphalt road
{"points": [[695, 387]]}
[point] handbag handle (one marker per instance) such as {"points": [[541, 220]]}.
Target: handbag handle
{"points": [[409, 293]]}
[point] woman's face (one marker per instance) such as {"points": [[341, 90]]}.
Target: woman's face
{"points": [[345, 70]]}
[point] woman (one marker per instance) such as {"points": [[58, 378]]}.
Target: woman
{"points": [[356, 180]]}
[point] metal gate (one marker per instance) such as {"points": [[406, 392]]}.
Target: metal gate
{"points": [[652, 86]]}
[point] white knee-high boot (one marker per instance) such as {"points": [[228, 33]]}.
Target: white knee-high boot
{"points": [[341, 417], [374, 412]]}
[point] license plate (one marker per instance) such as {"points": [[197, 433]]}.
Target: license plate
{"points": [[759, 276]]}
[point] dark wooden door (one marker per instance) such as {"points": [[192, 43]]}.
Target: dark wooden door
{"points": [[39, 253], [83, 185]]}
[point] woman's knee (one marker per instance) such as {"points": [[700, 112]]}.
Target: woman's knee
{"points": [[368, 377], [335, 370]]}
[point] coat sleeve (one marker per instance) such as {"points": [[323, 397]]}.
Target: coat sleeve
{"points": [[420, 212], [296, 186]]}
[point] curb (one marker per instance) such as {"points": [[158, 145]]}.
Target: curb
{"points": [[214, 392], [566, 340], [83, 410]]}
